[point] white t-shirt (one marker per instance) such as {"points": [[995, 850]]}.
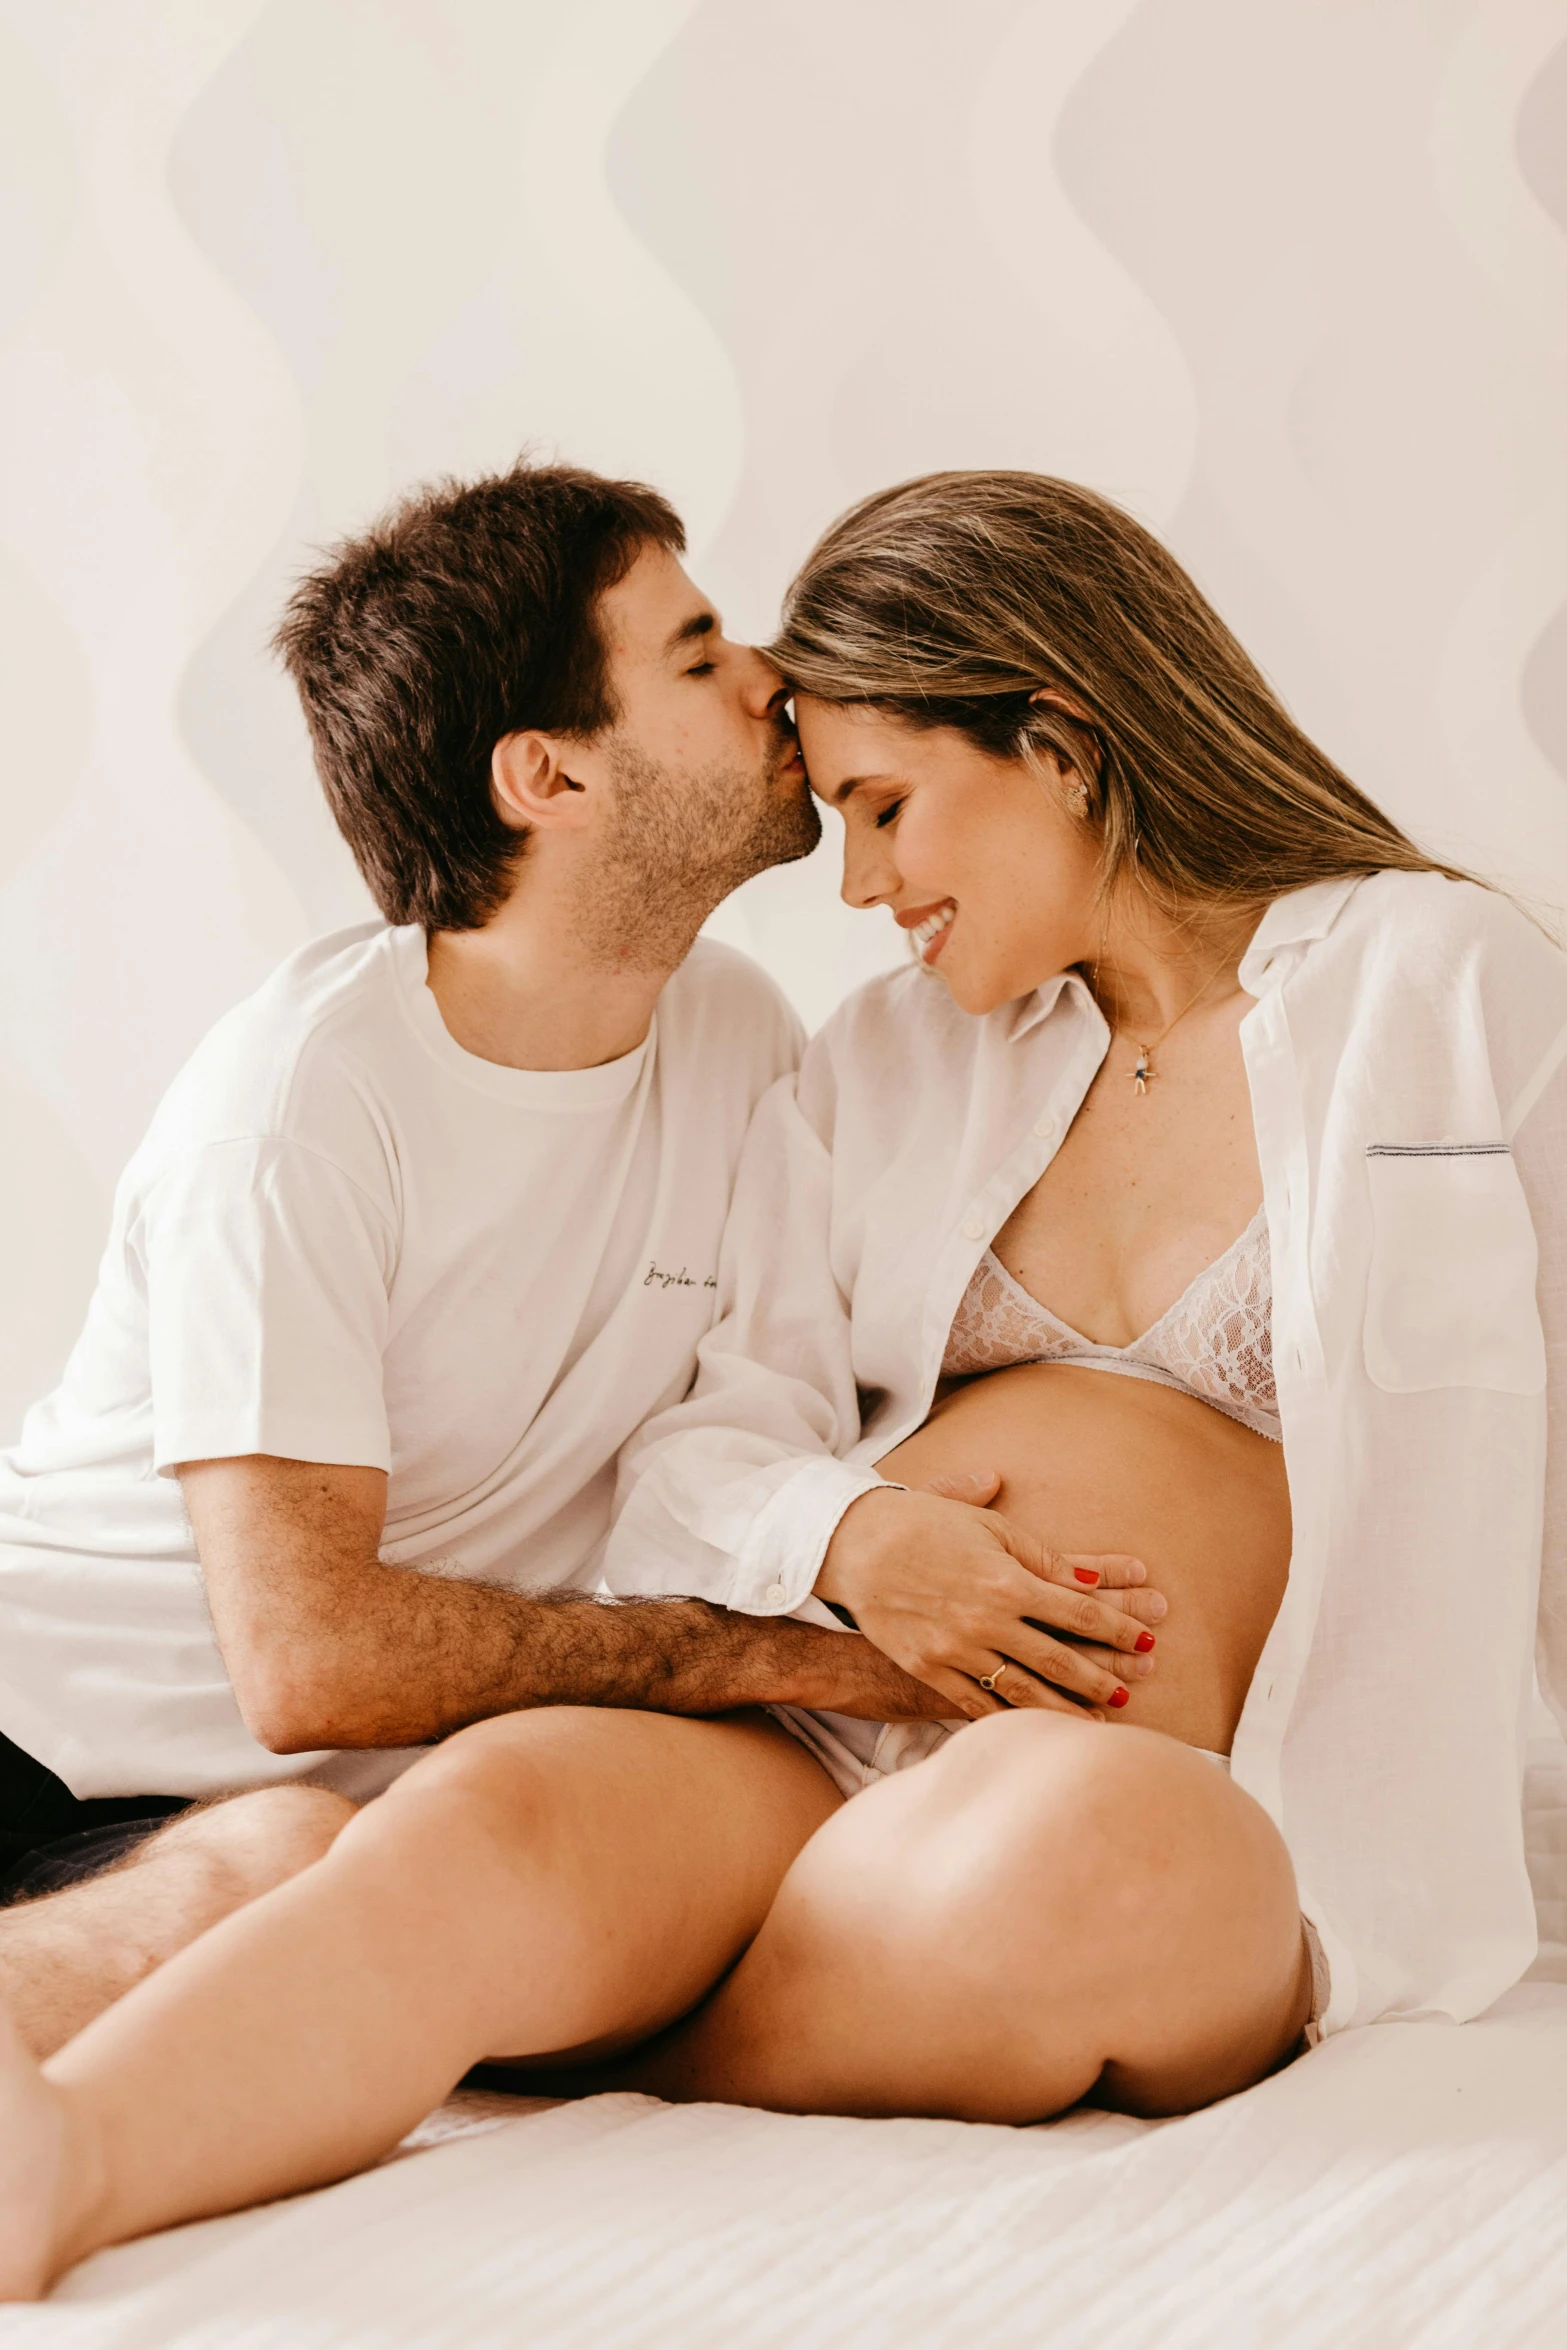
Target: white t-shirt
{"points": [[345, 1239]]}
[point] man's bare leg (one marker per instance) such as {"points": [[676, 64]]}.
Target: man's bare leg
{"points": [[67, 1956], [561, 1880]]}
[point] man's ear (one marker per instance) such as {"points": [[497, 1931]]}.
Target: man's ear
{"points": [[530, 786]]}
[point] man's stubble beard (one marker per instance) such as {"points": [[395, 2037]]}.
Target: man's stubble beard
{"points": [[677, 847]]}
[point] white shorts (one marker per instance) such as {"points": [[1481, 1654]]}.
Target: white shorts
{"points": [[856, 1754]]}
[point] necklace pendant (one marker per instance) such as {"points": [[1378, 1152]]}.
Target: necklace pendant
{"points": [[1142, 1075]]}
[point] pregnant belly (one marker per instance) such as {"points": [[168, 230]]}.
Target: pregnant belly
{"points": [[1092, 1461]]}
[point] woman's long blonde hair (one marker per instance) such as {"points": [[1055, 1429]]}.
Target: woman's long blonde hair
{"points": [[954, 599]]}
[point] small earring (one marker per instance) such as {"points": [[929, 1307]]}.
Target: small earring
{"points": [[1079, 798]]}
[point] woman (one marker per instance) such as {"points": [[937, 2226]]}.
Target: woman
{"points": [[1197, 1179], [1280, 1133]]}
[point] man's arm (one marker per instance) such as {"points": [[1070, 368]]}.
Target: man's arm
{"points": [[326, 1645]]}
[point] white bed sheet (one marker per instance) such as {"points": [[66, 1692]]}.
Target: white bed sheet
{"points": [[1401, 2186]]}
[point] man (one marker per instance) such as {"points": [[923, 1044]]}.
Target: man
{"points": [[419, 1237]]}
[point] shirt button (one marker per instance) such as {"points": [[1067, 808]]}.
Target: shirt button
{"points": [[1044, 1128], [775, 1594], [973, 1229]]}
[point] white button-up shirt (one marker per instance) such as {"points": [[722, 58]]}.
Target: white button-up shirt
{"points": [[1405, 1057]]}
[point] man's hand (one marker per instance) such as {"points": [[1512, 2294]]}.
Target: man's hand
{"points": [[328, 1646]]}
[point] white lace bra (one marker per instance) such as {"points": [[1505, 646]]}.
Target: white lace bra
{"points": [[1216, 1341]]}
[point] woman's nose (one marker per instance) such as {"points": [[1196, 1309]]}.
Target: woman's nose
{"points": [[868, 875]]}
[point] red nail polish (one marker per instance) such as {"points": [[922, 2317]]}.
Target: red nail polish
{"points": [[1086, 1574], [1118, 1697], [1144, 1643]]}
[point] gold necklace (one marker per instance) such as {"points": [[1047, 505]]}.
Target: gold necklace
{"points": [[1145, 1072]]}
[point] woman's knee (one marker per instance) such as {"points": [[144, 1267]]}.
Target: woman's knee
{"points": [[1042, 1907], [990, 1822], [492, 1780], [518, 1762], [532, 1789], [1035, 1798], [1139, 1899], [1042, 1865], [937, 1863]]}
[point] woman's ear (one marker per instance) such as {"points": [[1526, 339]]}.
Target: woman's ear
{"points": [[1050, 697], [1078, 745], [529, 784]]}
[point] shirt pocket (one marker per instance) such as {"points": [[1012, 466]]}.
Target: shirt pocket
{"points": [[1451, 1301]]}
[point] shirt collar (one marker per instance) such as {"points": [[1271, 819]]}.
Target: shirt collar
{"points": [[1030, 1010], [1293, 921]]}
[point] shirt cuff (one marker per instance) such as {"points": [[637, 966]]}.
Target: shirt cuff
{"points": [[365, 1446], [782, 1554]]}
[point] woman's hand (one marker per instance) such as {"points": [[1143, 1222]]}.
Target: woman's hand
{"points": [[953, 1592]]}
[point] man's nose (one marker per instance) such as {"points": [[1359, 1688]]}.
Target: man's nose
{"points": [[764, 687]]}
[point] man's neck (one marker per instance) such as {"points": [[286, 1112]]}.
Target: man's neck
{"points": [[524, 993]]}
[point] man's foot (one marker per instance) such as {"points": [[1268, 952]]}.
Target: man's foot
{"points": [[34, 2139]]}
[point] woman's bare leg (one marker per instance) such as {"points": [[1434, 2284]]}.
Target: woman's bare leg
{"points": [[562, 1879], [1043, 1911]]}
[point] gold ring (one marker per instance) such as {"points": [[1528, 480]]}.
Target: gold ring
{"points": [[989, 1680]]}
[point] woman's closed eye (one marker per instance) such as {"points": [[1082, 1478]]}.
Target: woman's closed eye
{"points": [[886, 816]]}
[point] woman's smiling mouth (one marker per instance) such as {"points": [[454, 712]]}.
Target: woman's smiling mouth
{"points": [[929, 931]]}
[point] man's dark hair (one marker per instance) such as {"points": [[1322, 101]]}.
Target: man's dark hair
{"points": [[467, 613]]}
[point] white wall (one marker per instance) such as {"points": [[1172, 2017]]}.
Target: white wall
{"points": [[1288, 278]]}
